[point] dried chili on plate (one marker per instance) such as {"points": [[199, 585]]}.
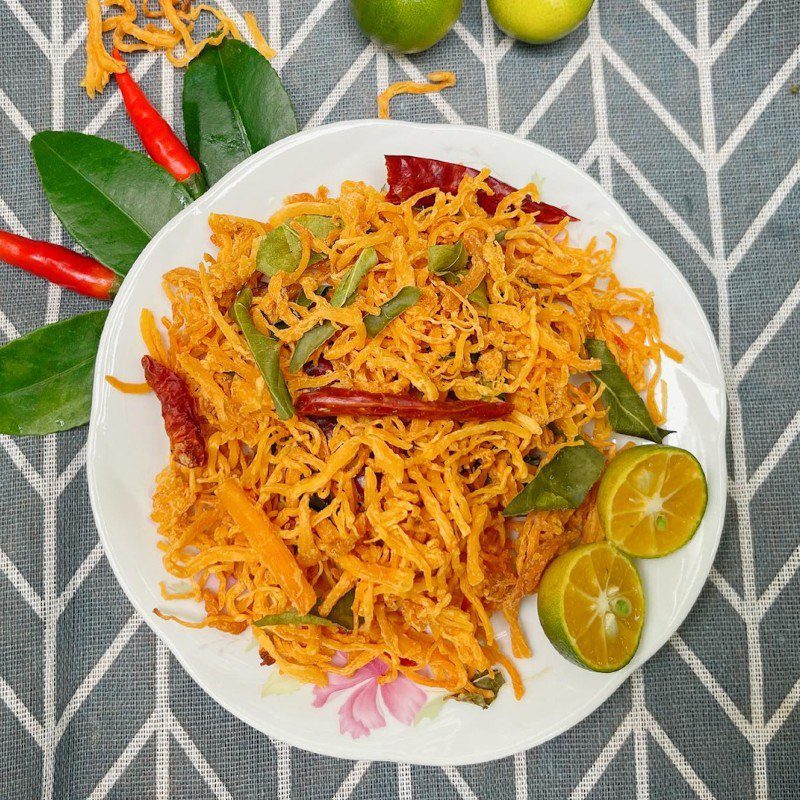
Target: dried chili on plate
{"points": [[179, 411], [338, 402], [409, 175]]}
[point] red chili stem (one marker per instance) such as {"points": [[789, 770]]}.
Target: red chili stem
{"points": [[59, 265], [158, 138], [337, 402], [409, 175], [179, 411]]}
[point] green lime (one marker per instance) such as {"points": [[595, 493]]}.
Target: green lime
{"points": [[591, 606], [651, 499], [539, 21], [406, 26]]}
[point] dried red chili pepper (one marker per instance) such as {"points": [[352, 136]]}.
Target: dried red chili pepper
{"points": [[409, 175], [158, 138], [59, 265], [337, 402], [179, 411]]}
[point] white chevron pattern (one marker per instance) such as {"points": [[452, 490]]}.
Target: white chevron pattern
{"points": [[721, 258]]}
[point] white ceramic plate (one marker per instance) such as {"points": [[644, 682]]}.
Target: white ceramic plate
{"points": [[127, 448]]}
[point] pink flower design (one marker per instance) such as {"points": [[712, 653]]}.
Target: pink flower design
{"points": [[361, 713]]}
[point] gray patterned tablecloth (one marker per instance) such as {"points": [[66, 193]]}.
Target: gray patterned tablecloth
{"points": [[688, 115]]}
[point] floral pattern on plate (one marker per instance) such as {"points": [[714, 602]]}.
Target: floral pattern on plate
{"points": [[367, 699]]}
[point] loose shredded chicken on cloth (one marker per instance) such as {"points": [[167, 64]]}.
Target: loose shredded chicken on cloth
{"points": [[413, 521], [169, 27]]}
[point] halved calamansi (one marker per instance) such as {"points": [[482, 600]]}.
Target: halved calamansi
{"points": [[651, 500], [591, 606]]}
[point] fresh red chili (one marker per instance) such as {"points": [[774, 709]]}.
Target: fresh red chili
{"points": [[59, 265], [337, 402], [409, 175], [179, 411], [158, 138]]}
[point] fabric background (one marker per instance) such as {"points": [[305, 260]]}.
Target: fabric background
{"points": [[685, 113]]}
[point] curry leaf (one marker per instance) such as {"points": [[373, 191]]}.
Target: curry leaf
{"points": [[317, 224], [266, 352], [46, 376], [340, 616], [478, 297], [391, 309], [294, 618], [234, 105], [342, 611], [447, 260], [312, 340], [304, 300], [563, 482], [483, 680], [346, 290], [112, 201], [280, 249], [309, 343], [627, 412]]}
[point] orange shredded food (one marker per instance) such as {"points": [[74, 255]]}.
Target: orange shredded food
{"points": [[438, 81], [257, 36], [169, 28], [412, 515], [126, 387]]}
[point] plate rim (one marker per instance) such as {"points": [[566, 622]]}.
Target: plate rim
{"points": [[332, 746]]}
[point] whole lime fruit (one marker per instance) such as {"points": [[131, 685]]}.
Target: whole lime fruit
{"points": [[539, 21], [406, 26]]}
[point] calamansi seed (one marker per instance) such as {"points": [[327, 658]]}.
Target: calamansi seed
{"points": [[621, 606], [610, 625]]}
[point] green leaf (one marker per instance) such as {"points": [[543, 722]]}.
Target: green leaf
{"points": [[342, 611], [340, 616], [293, 618], [391, 309], [46, 376], [280, 249], [309, 343], [563, 482], [305, 301], [266, 352], [500, 236], [234, 105], [447, 260], [318, 225], [346, 290], [627, 412], [479, 297], [483, 680], [112, 201]]}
